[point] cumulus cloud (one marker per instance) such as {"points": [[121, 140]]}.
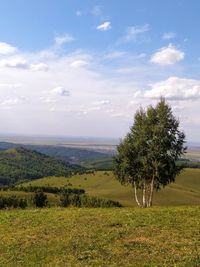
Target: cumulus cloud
{"points": [[39, 67], [167, 56], [168, 35], [79, 63], [6, 49], [100, 92], [20, 63], [175, 88], [134, 32], [63, 39], [61, 91], [105, 26]]}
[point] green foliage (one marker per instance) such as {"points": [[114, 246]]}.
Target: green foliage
{"points": [[64, 200], [147, 156], [76, 156], [45, 189], [12, 202], [188, 164], [40, 199], [76, 200], [20, 164]]}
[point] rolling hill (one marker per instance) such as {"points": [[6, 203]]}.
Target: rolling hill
{"points": [[21, 163], [186, 190], [82, 156]]}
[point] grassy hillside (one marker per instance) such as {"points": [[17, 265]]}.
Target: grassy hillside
{"points": [[186, 190], [20, 163], [81, 156], [100, 237]]}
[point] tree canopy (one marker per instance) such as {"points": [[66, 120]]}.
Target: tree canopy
{"points": [[146, 157]]}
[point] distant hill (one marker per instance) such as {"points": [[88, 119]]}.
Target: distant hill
{"points": [[81, 156], [21, 163]]}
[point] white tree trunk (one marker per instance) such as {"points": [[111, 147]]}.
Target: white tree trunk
{"points": [[136, 197], [144, 201], [151, 193]]}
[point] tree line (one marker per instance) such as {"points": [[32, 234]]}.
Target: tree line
{"points": [[68, 197]]}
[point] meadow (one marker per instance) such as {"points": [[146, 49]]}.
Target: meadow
{"points": [[167, 234], [185, 191], [100, 237]]}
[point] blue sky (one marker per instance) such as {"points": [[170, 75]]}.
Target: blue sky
{"points": [[83, 68]]}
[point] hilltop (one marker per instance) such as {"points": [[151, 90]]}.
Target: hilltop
{"points": [[23, 164]]}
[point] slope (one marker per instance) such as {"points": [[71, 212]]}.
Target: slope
{"points": [[20, 163], [186, 190]]}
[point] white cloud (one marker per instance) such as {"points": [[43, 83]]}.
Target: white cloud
{"points": [[11, 102], [48, 100], [169, 35], [20, 63], [102, 102], [105, 26], [61, 91], [134, 32], [39, 67], [100, 92], [63, 39], [10, 85], [79, 63], [175, 88], [167, 56], [6, 49], [116, 54]]}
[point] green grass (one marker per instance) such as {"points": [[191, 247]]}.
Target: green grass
{"points": [[186, 190], [100, 237]]}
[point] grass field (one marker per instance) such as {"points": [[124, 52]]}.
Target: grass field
{"points": [[100, 237], [186, 190]]}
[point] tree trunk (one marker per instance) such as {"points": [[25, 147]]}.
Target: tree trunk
{"points": [[151, 193], [144, 195], [136, 197]]}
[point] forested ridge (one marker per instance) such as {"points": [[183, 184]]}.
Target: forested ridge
{"points": [[21, 164]]}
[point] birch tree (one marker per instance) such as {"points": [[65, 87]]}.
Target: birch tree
{"points": [[146, 158]]}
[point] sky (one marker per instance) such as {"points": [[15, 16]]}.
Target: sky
{"points": [[83, 68]]}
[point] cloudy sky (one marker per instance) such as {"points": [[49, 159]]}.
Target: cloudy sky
{"points": [[82, 68]]}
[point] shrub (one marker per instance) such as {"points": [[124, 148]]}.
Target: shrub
{"points": [[40, 199], [86, 201], [12, 202]]}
